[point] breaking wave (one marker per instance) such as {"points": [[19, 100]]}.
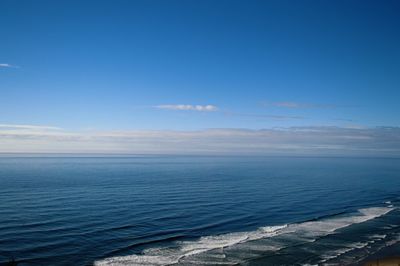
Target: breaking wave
{"points": [[237, 247]]}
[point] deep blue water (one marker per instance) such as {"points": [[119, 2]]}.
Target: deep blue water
{"points": [[196, 210]]}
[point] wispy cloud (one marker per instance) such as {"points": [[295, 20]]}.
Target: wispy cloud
{"points": [[27, 127], [343, 119], [379, 141], [299, 105], [8, 65], [188, 107], [213, 108], [265, 116]]}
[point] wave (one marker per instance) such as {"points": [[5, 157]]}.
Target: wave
{"points": [[375, 244], [236, 247]]}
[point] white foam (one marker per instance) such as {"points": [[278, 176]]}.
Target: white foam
{"points": [[376, 236], [334, 254], [359, 245], [193, 249], [163, 256], [314, 229]]}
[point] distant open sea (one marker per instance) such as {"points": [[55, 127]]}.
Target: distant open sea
{"points": [[194, 210]]}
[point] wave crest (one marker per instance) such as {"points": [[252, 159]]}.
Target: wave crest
{"points": [[203, 250]]}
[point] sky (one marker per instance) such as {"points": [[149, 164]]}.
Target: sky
{"points": [[293, 77]]}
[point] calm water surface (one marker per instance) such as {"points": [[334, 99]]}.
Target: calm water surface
{"points": [[186, 210]]}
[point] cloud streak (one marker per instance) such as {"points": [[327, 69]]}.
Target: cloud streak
{"points": [[188, 107], [266, 116], [7, 65], [298, 105], [27, 127], [213, 108], [336, 141]]}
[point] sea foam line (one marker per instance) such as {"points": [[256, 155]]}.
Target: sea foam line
{"points": [[190, 249]]}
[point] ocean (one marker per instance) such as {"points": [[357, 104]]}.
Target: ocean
{"points": [[196, 210]]}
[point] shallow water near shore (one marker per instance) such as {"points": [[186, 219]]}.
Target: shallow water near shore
{"points": [[186, 210]]}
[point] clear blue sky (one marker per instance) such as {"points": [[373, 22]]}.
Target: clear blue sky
{"points": [[126, 65]]}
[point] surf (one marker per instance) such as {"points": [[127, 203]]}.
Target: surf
{"points": [[246, 245]]}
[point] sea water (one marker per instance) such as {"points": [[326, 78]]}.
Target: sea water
{"points": [[196, 210]]}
